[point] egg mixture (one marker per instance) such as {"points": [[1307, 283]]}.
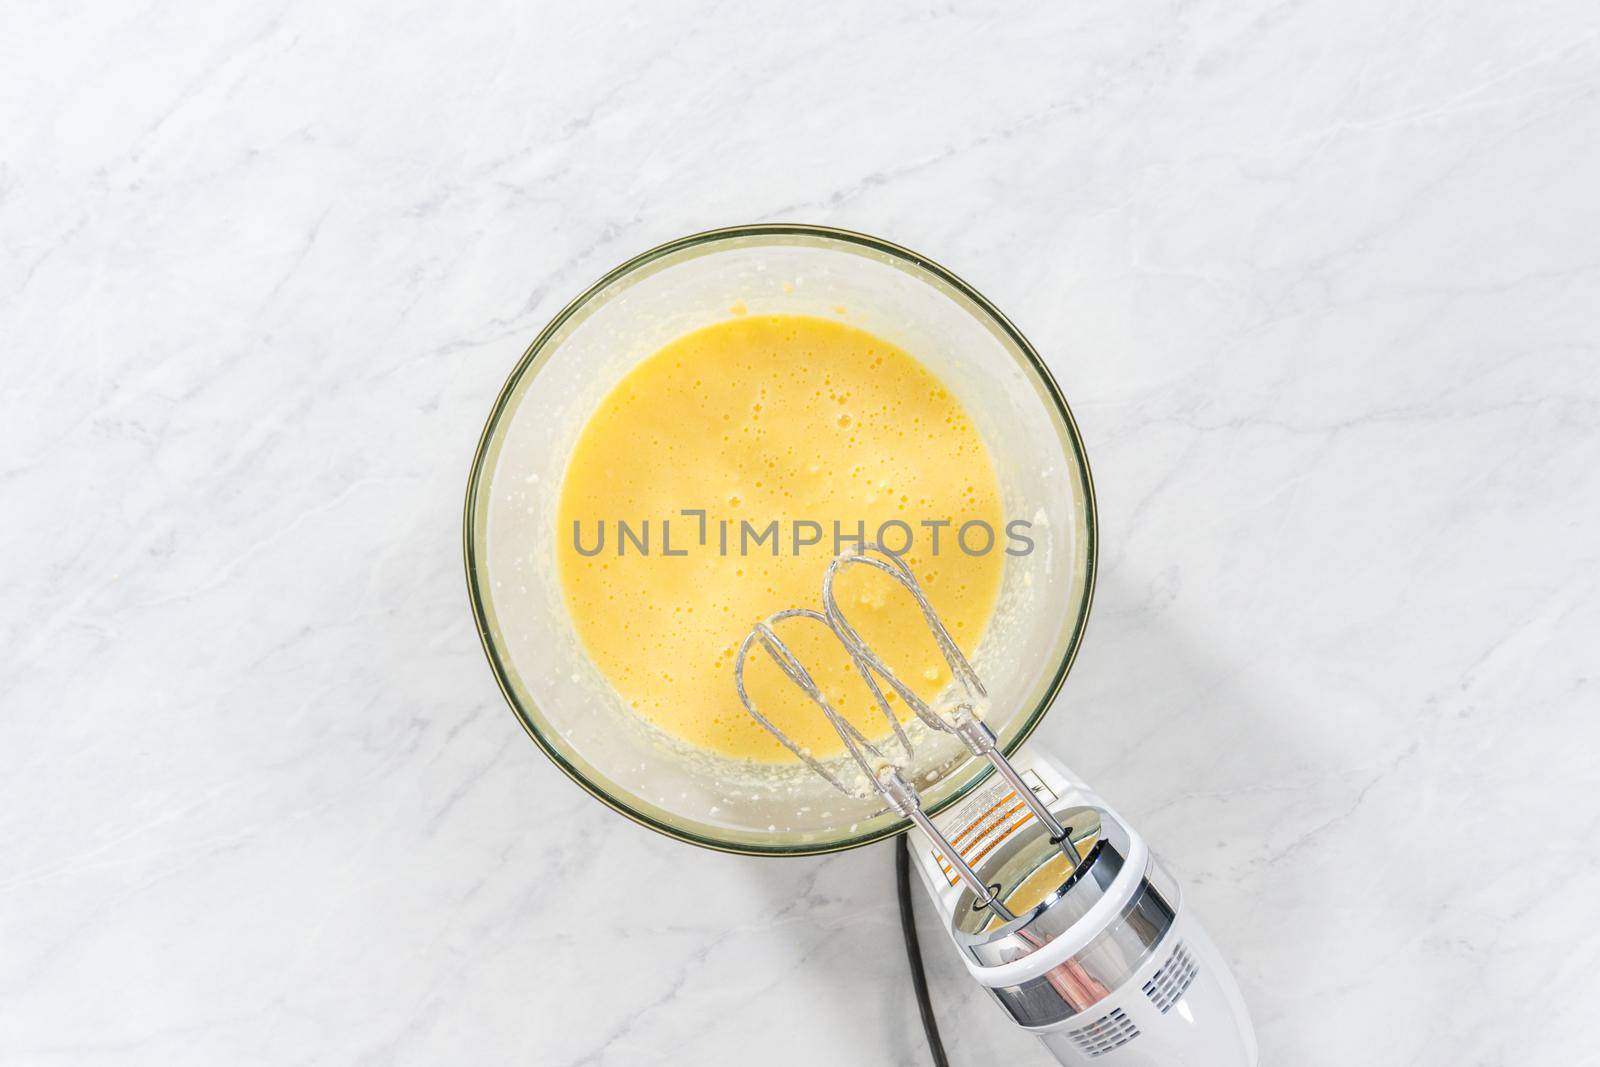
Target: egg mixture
{"points": [[813, 425]]}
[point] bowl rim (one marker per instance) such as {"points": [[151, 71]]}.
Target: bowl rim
{"points": [[530, 356]]}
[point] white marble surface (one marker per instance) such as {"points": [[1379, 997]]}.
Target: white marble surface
{"points": [[1319, 279]]}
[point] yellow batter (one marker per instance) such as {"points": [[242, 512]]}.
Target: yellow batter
{"points": [[756, 419]]}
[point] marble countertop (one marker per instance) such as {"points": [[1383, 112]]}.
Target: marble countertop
{"points": [[1319, 279]]}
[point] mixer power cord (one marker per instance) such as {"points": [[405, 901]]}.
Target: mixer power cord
{"points": [[908, 927]]}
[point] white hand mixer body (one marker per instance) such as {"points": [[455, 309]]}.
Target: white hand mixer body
{"points": [[1056, 905], [1110, 967]]}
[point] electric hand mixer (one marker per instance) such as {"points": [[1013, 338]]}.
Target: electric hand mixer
{"points": [[1054, 903], [1093, 951]]}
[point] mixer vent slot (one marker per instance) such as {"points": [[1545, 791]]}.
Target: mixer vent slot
{"points": [[1110, 1031], [1168, 985]]}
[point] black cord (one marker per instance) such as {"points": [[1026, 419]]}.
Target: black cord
{"points": [[908, 927]]}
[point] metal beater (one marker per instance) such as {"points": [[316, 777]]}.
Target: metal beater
{"points": [[884, 774]]}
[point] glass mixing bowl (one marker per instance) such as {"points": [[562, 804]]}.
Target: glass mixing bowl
{"points": [[558, 694]]}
